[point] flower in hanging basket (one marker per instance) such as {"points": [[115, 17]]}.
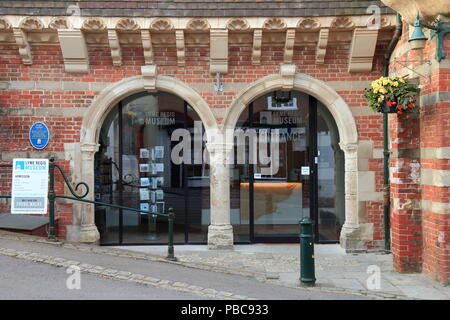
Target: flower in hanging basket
{"points": [[392, 95]]}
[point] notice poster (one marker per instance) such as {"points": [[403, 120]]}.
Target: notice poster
{"points": [[145, 206], [145, 182], [159, 194], [159, 152], [29, 188], [144, 194]]}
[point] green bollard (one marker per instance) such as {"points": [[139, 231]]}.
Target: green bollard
{"points": [[51, 198], [307, 272], [170, 250]]}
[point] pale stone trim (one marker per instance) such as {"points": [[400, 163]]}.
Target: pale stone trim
{"points": [[24, 46], [147, 46], [149, 77], [74, 50], [362, 50], [353, 233], [218, 51], [213, 22], [436, 207], [435, 177], [93, 121], [322, 44], [198, 86], [257, 42], [289, 46], [116, 52], [179, 39], [435, 153]]}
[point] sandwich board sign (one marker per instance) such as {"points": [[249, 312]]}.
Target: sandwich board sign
{"points": [[29, 188]]}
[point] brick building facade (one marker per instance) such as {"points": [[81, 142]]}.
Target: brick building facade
{"points": [[69, 64]]}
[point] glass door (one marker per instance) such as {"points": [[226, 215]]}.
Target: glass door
{"points": [[275, 181]]}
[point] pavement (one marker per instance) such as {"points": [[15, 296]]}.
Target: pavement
{"points": [[246, 273], [334, 268]]}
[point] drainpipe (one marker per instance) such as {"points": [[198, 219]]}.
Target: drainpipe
{"points": [[386, 187]]}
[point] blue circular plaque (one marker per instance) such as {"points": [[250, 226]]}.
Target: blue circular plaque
{"points": [[39, 135]]}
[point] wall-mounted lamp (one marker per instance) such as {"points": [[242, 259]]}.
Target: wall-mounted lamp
{"points": [[417, 39]]}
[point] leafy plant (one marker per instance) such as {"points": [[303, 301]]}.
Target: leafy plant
{"points": [[393, 92]]}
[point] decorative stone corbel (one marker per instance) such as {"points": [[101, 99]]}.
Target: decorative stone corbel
{"points": [[74, 50], [179, 39], [287, 72], [362, 50], [219, 51], [149, 77], [116, 52], [147, 45], [24, 46], [322, 46], [289, 46], [257, 41]]}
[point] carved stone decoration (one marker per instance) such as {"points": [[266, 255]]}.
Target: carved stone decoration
{"points": [[4, 24], [322, 46], [274, 24], [342, 23], [429, 10], [74, 50], [287, 72], [362, 50], [31, 24], [127, 25], [161, 25], [385, 22], [93, 25], [198, 25], [59, 23], [147, 45], [218, 51], [308, 24], [238, 25], [179, 41], [24, 46], [257, 42], [149, 77], [116, 52], [289, 46]]}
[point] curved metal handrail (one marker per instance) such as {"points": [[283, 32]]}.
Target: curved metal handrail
{"points": [[69, 186]]}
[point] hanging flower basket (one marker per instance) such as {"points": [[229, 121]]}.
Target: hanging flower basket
{"points": [[392, 95]]}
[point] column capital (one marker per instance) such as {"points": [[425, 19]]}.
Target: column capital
{"points": [[89, 147], [214, 147], [349, 147]]}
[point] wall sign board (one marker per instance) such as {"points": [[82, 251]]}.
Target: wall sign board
{"points": [[29, 188]]}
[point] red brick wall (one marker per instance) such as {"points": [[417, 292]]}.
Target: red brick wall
{"points": [[421, 237], [48, 66]]}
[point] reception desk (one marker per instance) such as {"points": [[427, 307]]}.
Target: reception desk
{"points": [[274, 202]]}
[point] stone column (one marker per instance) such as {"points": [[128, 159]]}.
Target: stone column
{"points": [[349, 238], [88, 231], [220, 231]]}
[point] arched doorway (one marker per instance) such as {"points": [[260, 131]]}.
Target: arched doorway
{"points": [[268, 198], [134, 168]]}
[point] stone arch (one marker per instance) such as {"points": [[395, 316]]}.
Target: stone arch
{"points": [[320, 90], [92, 123], [117, 91], [345, 122]]}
